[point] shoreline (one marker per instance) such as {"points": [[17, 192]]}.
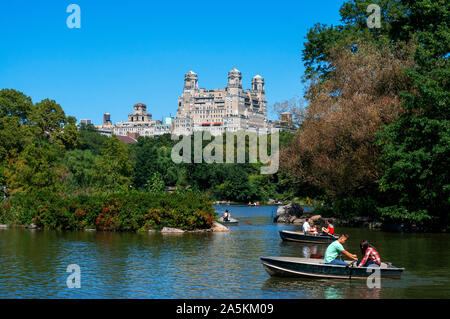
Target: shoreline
{"points": [[294, 214]]}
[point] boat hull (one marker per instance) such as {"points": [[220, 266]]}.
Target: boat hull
{"points": [[288, 235], [232, 222], [314, 268]]}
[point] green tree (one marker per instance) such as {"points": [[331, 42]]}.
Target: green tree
{"points": [[91, 139], [15, 104], [146, 158], [81, 164], [48, 116], [416, 148], [114, 166], [14, 137], [236, 185], [36, 168]]}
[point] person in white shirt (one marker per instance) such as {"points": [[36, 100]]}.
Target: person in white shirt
{"points": [[306, 227]]}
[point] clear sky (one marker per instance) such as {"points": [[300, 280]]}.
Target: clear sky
{"points": [[139, 50]]}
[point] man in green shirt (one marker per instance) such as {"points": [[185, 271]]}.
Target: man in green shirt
{"points": [[336, 248]]}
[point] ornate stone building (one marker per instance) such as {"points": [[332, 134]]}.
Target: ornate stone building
{"points": [[220, 110], [140, 122]]}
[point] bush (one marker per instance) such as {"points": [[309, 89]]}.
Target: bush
{"points": [[350, 207], [120, 211]]}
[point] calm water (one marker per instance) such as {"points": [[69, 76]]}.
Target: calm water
{"points": [[220, 265]]}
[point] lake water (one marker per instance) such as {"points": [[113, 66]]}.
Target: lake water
{"points": [[208, 265]]}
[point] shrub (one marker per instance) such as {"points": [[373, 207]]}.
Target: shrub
{"points": [[120, 211]]}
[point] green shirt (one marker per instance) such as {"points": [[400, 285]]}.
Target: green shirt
{"points": [[333, 251]]}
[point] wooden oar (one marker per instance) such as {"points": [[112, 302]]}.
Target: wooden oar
{"points": [[248, 223], [350, 265]]}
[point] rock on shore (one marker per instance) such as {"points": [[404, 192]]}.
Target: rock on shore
{"points": [[217, 227], [168, 230], [290, 213], [294, 214]]}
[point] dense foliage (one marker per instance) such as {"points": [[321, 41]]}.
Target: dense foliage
{"points": [[116, 211], [60, 176], [376, 132]]}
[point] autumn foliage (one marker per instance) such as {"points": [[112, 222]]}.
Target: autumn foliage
{"points": [[335, 148]]}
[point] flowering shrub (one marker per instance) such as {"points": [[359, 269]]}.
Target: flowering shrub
{"points": [[120, 211]]}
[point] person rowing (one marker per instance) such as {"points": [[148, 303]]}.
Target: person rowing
{"points": [[371, 256], [335, 249], [226, 216]]}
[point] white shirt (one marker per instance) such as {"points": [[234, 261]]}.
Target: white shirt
{"points": [[306, 227]]}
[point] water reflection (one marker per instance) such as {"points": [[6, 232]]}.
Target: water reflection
{"points": [[307, 251], [332, 293]]}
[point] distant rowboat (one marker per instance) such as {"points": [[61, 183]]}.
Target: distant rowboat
{"points": [[315, 268], [232, 222], [296, 236]]}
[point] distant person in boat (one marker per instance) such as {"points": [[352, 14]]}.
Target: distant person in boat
{"points": [[314, 230], [226, 216], [306, 227], [371, 255], [330, 228], [335, 249]]}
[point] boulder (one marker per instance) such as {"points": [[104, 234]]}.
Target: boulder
{"points": [[90, 229], [299, 221], [316, 218], [168, 230], [32, 226], [271, 201], [376, 225], [288, 213], [217, 227], [3, 226]]}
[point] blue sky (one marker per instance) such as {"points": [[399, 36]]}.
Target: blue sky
{"points": [[138, 51]]}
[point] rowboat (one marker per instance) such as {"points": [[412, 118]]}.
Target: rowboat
{"points": [[315, 268], [232, 222], [288, 235]]}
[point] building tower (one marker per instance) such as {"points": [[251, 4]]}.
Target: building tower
{"points": [[258, 84], [139, 114], [234, 79], [191, 81]]}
